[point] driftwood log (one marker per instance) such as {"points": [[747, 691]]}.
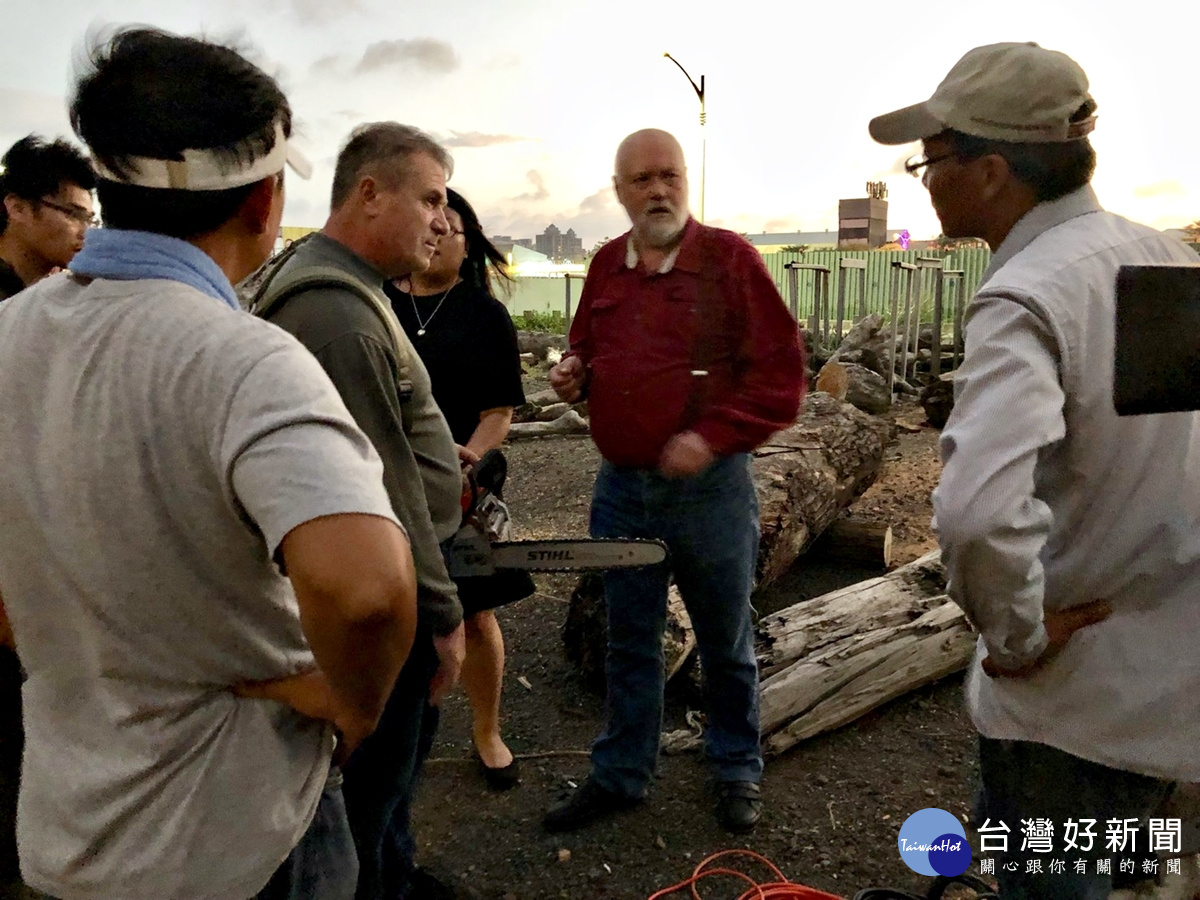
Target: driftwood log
{"points": [[804, 476], [807, 474], [586, 618], [829, 660], [569, 422], [859, 542]]}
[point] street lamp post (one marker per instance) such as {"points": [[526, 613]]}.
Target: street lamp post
{"points": [[699, 89]]}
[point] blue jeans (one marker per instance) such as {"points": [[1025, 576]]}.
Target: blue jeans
{"points": [[710, 524], [323, 865], [1026, 780], [381, 778]]}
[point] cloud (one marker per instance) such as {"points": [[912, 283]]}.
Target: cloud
{"points": [[423, 54], [503, 61], [318, 11], [479, 139], [1160, 189], [32, 111], [597, 216], [781, 226], [539, 192], [327, 65]]}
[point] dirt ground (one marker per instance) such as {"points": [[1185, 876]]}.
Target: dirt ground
{"points": [[834, 805]]}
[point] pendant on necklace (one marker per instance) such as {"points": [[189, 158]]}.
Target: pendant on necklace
{"points": [[420, 332]]}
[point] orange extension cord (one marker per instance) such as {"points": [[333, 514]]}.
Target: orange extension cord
{"points": [[776, 890]]}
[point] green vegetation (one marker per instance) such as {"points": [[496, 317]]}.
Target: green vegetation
{"points": [[550, 322]]}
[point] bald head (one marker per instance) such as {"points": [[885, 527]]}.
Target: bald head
{"points": [[651, 182], [652, 140]]}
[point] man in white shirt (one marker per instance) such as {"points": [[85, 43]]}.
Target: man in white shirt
{"points": [[1071, 536], [203, 572]]}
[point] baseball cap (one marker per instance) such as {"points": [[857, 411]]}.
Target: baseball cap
{"points": [[1014, 92]]}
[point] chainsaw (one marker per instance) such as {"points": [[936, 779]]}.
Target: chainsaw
{"points": [[483, 543]]}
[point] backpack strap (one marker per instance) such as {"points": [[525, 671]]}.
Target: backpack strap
{"points": [[274, 288]]}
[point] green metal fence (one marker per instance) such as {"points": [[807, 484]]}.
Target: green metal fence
{"points": [[878, 275]]}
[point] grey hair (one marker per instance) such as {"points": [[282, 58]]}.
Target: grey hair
{"points": [[381, 145]]}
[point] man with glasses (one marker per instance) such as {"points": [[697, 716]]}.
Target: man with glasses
{"points": [[387, 214], [1071, 536], [45, 208]]}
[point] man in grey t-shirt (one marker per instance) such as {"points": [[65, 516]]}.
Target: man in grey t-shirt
{"points": [[175, 457]]}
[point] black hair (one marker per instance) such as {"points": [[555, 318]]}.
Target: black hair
{"points": [[153, 94], [1052, 170], [33, 170], [480, 250]]}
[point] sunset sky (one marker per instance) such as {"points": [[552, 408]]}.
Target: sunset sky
{"points": [[532, 96]]}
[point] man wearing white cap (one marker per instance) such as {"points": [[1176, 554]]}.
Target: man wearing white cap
{"points": [[1071, 536], [205, 579]]}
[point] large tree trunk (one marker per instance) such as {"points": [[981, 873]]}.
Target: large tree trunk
{"points": [[803, 476], [829, 660], [806, 474]]}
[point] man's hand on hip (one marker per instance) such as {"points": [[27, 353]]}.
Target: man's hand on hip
{"points": [[568, 377], [1060, 625], [310, 694], [451, 649], [686, 454]]}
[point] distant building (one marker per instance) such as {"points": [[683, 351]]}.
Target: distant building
{"points": [[504, 243], [558, 246], [862, 223]]}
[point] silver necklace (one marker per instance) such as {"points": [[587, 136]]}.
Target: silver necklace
{"points": [[421, 326]]}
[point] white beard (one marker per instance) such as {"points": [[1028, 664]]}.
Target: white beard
{"points": [[659, 234]]}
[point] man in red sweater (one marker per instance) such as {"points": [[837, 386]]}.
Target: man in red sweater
{"points": [[689, 360]]}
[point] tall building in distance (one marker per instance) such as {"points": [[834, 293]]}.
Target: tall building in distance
{"points": [[558, 246]]}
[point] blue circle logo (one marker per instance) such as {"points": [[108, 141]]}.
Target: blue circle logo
{"points": [[933, 842]]}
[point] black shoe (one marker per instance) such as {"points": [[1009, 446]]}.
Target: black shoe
{"points": [[739, 806], [424, 885], [589, 803], [501, 779]]}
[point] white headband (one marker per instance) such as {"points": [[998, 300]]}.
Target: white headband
{"points": [[201, 170]]}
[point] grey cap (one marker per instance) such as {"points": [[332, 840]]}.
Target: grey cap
{"points": [[1006, 92]]}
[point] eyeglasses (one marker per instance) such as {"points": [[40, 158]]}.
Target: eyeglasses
{"points": [[452, 233], [915, 164], [78, 213]]}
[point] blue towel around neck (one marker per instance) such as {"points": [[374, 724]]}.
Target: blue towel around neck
{"points": [[131, 255]]}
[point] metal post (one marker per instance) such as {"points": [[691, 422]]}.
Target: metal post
{"points": [[862, 291], [959, 285], [794, 289], [897, 268], [821, 293], [914, 280], [935, 358], [567, 311], [925, 262], [841, 302], [892, 346], [845, 264], [699, 89]]}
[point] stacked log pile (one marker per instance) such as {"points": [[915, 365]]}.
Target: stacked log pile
{"points": [[829, 660]]}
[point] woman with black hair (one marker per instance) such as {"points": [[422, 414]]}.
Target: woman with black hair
{"points": [[466, 339]]}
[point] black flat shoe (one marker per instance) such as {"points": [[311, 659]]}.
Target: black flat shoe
{"points": [[501, 779], [739, 806], [586, 804]]}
